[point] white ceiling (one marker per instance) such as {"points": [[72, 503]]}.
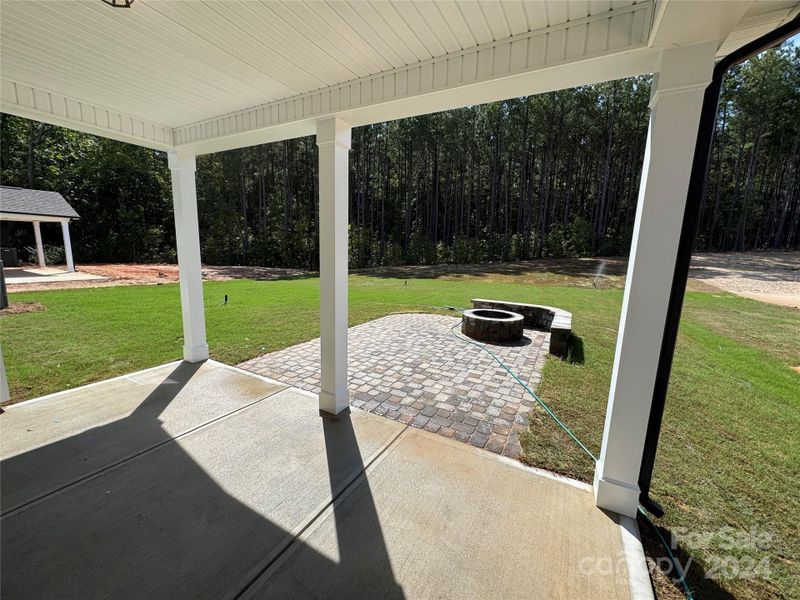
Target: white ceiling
{"points": [[761, 18], [207, 75], [180, 62]]}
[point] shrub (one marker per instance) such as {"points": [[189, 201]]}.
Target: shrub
{"points": [[53, 255]]}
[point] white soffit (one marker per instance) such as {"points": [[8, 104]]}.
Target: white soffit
{"points": [[759, 19], [178, 62], [207, 75], [494, 70], [136, 74]]}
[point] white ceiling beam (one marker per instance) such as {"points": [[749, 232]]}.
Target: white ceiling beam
{"points": [[26, 218], [596, 48]]}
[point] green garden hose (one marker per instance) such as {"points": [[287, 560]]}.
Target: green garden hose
{"points": [[569, 432], [525, 386]]}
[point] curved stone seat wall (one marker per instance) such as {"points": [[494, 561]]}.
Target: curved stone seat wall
{"points": [[555, 320]]}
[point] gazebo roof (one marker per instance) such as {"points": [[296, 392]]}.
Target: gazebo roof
{"points": [[21, 201]]}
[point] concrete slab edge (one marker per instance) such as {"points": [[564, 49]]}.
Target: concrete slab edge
{"points": [[508, 461], [241, 371], [581, 485], [638, 574], [23, 403], [512, 462], [173, 363]]}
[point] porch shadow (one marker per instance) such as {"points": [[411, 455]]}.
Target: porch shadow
{"points": [[194, 517], [575, 353], [697, 577]]}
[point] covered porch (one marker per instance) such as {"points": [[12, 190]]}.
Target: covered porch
{"points": [[189, 467], [202, 480]]}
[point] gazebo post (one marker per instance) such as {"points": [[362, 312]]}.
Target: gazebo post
{"points": [[4, 393], [67, 246], [37, 233]]}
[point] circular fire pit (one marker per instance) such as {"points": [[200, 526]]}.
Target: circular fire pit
{"points": [[492, 325]]}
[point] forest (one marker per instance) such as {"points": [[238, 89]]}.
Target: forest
{"points": [[555, 174]]}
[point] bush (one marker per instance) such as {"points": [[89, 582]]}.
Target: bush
{"points": [[468, 250], [571, 240], [53, 255], [521, 247]]}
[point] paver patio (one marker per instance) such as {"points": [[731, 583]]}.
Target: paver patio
{"points": [[411, 368]]}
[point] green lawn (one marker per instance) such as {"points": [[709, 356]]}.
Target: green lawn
{"points": [[729, 454]]}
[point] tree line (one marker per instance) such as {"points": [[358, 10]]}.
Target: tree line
{"points": [[555, 174]]}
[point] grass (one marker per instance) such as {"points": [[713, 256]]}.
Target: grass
{"points": [[90, 334], [729, 449]]}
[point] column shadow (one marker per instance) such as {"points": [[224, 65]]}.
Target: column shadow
{"points": [[183, 521]]}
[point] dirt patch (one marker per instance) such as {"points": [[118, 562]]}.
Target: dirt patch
{"points": [[695, 285], [135, 272], [772, 277], [161, 273], [138, 274], [606, 273], [18, 308]]}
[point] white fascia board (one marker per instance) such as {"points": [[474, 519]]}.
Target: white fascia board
{"points": [[30, 102], [26, 218], [598, 48]]}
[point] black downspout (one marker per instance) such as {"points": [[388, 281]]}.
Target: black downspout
{"points": [[691, 215]]}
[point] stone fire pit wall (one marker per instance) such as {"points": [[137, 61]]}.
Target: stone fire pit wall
{"points": [[492, 325], [558, 322]]}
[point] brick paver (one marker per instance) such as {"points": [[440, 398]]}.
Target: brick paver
{"points": [[410, 368]]}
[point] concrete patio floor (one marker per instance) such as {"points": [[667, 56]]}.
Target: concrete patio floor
{"points": [[203, 481], [27, 275]]}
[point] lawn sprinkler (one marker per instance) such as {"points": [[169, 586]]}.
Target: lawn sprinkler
{"points": [[599, 272]]}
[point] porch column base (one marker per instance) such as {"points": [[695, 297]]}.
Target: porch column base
{"points": [[616, 496], [333, 403], [195, 354], [334, 416]]}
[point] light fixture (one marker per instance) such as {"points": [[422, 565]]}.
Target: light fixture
{"points": [[119, 3]]}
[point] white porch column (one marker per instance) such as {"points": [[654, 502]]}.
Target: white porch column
{"points": [[67, 246], [187, 237], [333, 139], [676, 99], [37, 234]]}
